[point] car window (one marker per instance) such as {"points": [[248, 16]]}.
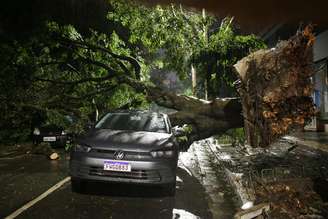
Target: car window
{"points": [[156, 124], [137, 122]]}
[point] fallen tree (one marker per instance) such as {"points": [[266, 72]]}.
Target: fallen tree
{"points": [[274, 86], [275, 90]]}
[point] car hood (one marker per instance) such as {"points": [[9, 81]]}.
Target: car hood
{"points": [[50, 130], [126, 140]]}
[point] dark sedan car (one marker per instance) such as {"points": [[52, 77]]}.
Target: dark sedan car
{"points": [[53, 134], [127, 147]]}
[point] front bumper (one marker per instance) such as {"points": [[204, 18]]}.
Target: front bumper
{"points": [[59, 139], [153, 172]]}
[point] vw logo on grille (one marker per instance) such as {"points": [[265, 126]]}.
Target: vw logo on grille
{"points": [[119, 155]]}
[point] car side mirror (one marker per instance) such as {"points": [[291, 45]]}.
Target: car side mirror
{"points": [[178, 131]]}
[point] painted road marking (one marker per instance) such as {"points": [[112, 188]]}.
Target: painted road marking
{"points": [[37, 199]]}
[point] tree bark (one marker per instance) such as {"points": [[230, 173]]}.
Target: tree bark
{"points": [[206, 118]]}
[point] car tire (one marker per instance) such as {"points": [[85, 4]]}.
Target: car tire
{"points": [[77, 185]]}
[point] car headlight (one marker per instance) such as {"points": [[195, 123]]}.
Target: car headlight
{"points": [[36, 131], [162, 153], [82, 148]]}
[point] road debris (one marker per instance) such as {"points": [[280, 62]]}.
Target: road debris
{"points": [[28, 148], [253, 212], [293, 181]]}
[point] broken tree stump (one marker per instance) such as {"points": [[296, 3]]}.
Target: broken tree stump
{"points": [[275, 88], [45, 149]]}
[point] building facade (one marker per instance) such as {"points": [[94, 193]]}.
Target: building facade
{"points": [[320, 58]]}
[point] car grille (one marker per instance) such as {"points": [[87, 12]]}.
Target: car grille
{"points": [[134, 174], [130, 155]]}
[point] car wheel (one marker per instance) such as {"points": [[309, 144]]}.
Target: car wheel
{"points": [[77, 185]]}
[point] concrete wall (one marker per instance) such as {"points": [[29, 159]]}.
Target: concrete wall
{"points": [[320, 49]]}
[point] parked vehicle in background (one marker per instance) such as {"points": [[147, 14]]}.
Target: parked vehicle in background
{"points": [[53, 134], [127, 147]]}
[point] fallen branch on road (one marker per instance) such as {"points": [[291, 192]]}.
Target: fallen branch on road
{"points": [[40, 149]]}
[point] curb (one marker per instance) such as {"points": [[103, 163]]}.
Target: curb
{"points": [[246, 198], [305, 143]]}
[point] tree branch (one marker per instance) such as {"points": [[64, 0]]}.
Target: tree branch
{"points": [[91, 94], [84, 80], [129, 59]]}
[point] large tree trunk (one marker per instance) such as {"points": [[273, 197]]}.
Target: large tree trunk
{"points": [[207, 118]]}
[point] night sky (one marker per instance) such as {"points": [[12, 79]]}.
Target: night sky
{"points": [[253, 15], [258, 14]]}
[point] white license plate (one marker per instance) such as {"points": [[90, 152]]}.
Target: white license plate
{"points": [[49, 138], [119, 166]]}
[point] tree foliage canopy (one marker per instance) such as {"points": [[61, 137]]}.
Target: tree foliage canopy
{"points": [[57, 71]]}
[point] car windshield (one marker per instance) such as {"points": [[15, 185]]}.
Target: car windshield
{"points": [[136, 122]]}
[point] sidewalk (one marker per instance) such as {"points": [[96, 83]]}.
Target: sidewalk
{"points": [[291, 179], [316, 140]]}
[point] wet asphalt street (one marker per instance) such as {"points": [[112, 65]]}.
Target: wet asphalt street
{"points": [[201, 191]]}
